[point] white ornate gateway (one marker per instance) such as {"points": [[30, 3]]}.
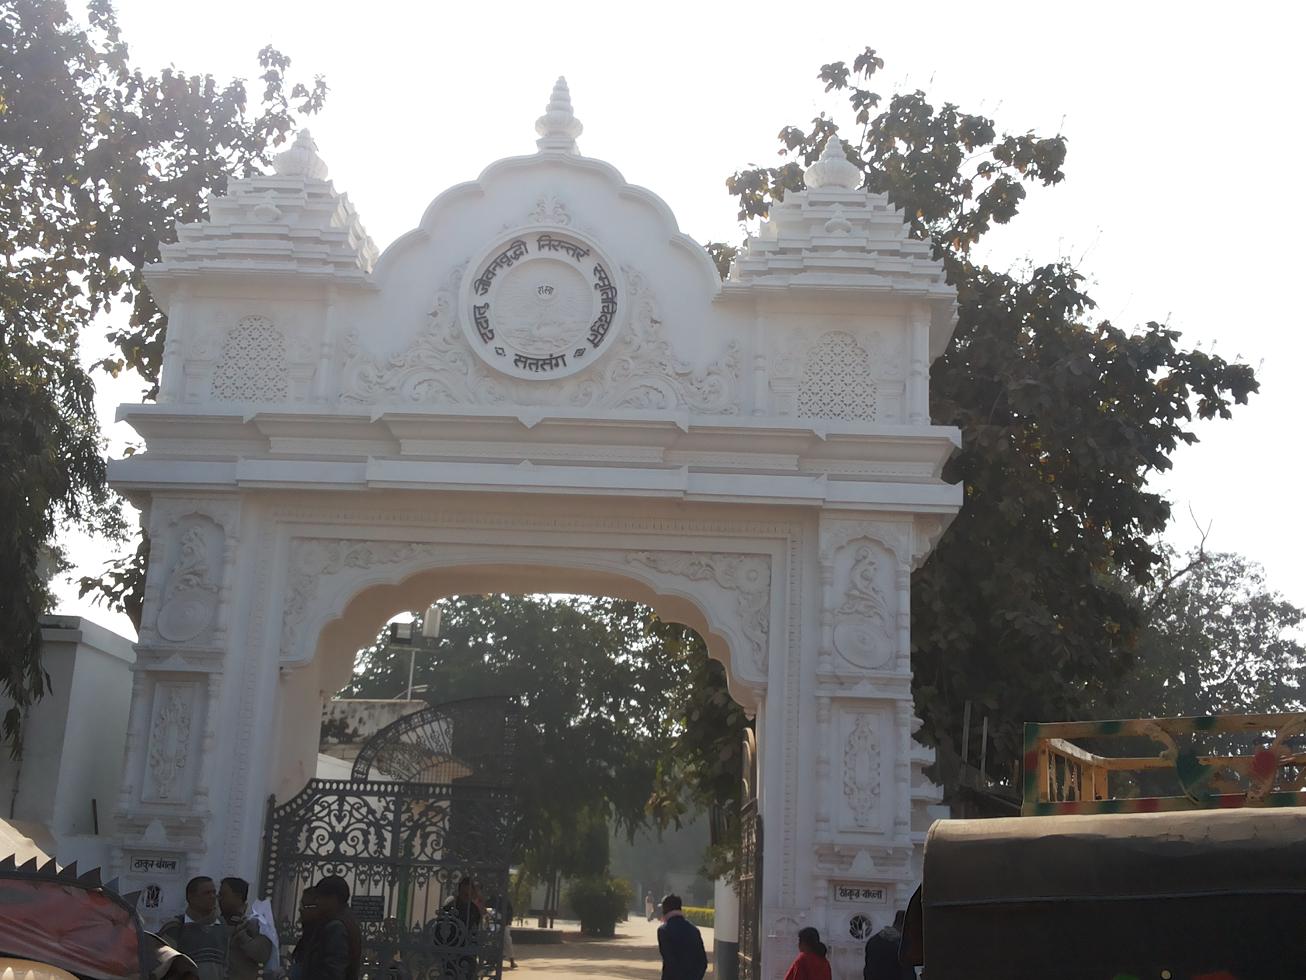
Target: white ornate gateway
{"points": [[544, 387]]}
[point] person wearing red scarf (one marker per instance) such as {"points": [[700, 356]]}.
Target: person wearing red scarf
{"points": [[811, 963]]}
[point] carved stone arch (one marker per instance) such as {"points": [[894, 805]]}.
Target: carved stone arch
{"points": [[725, 597]]}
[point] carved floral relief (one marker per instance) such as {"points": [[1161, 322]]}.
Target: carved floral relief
{"points": [[312, 559], [190, 597], [862, 772], [865, 621], [170, 739], [747, 576]]}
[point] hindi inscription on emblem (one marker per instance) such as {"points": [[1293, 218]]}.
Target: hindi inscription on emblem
{"points": [[542, 304]]}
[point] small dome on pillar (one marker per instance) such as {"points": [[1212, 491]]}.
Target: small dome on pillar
{"points": [[833, 171], [558, 128], [301, 160]]}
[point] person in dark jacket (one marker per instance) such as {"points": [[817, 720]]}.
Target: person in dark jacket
{"points": [[322, 952], [333, 897], [882, 953], [461, 926], [680, 943]]}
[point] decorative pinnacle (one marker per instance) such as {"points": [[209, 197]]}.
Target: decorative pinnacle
{"points": [[558, 128], [301, 160], [838, 225], [833, 171]]}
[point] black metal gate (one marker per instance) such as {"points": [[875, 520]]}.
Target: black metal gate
{"points": [[749, 880], [430, 802]]}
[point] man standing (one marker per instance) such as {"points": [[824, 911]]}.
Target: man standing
{"points": [[322, 952], [199, 932], [882, 953], [333, 903], [248, 949], [680, 943], [462, 917]]}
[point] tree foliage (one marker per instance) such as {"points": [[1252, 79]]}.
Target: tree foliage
{"points": [[1064, 417], [98, 161], [702, 768], [599, 682], [1217, 640]]}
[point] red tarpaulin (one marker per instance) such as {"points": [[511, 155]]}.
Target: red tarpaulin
{"points": [[78, 930]]}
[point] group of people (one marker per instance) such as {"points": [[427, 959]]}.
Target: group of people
{"points": [[685, 958], [224, 940], [218, 938], [218, 933]]}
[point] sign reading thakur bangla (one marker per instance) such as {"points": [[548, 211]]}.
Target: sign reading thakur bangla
{"points": [[542, 304]]}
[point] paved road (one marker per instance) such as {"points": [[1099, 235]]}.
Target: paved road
{"points": [[631, 955]]}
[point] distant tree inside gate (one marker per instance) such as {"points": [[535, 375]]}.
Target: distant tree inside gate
{"points": [[608, 692]]}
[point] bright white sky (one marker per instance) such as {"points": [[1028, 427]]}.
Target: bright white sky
{"points": [[1184, 122]]}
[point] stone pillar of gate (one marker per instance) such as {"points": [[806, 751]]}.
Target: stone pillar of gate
{"points": [[168, 792], [854, 359]]}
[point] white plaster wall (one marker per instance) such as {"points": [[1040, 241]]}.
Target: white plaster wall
{"points": [[74, 740], [35, 775]]}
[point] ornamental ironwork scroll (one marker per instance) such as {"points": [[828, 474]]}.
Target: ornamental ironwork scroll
{"points": [[431, 803]]}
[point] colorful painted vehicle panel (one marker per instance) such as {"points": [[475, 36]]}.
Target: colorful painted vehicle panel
{"points": [[1269, 770]]}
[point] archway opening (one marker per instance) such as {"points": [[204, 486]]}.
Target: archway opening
{"points": [[629, 749]]}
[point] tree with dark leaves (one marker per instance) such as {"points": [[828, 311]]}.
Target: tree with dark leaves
{"points": [[98, 162], [1064, 418]]}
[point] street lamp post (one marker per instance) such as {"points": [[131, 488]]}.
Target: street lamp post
{"points": [[402, 634]]}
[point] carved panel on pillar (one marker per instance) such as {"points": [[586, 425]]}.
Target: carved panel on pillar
{"points": [[866, 605], [171, 756], [188, 581], [866, 753], [190, 595], [865, 622]]}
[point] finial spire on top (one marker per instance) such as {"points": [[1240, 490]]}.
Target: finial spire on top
{"points": [[558, 128], [301, 160], [833, 171]]}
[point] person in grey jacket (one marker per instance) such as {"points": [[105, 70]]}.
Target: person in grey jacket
{"points": [[248, 949], [199, 932]]}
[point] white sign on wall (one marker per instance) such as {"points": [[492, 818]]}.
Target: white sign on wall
{"points": [[858, 893]]}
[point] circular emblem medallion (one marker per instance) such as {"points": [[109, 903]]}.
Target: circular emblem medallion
{"points": [[542, 304]]}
